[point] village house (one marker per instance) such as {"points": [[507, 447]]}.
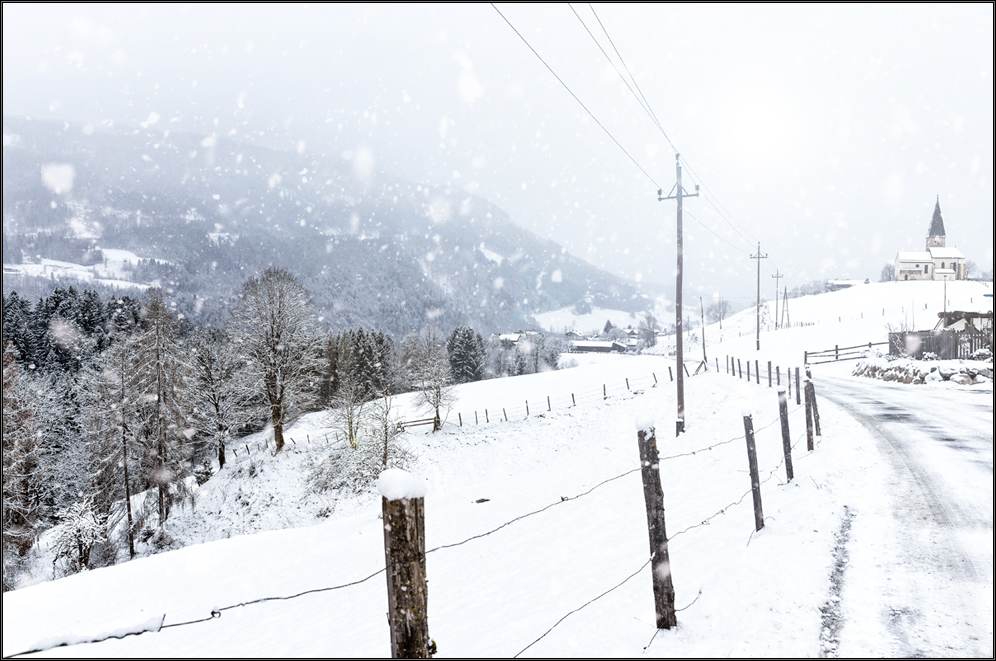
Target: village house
{"points": [[937, 262]]}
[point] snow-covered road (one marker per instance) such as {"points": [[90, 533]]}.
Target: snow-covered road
{"points": [[918, 579]]}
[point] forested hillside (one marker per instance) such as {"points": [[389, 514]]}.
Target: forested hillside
{"points": [[207, 211]]}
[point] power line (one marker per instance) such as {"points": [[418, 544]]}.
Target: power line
{"points": [[641, 98], [590, 114], [653, 115]]}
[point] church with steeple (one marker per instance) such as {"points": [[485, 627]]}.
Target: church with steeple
{"points": [[937, 262]]}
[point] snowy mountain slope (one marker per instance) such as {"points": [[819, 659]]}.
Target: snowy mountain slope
{"points": [[372, 249]]}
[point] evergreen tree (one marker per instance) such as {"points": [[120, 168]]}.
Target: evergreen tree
{"points": [[163, 425], [21, 510], [222, 395], [467, 354]]}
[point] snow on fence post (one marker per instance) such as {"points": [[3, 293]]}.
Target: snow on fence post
{"points": [[783, 413], [403, 504], [653, 495], [809, 419], [755, 482]]}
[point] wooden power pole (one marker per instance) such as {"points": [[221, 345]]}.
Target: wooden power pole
{"points": [[677, 193], [777, 276], [759, 257]]}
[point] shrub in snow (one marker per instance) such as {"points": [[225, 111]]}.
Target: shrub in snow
{"points": [[80, 528]]}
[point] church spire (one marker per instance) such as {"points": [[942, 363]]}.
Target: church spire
{"points": [[936, 223]]}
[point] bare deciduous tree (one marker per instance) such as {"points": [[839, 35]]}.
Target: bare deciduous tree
{"points": [[429, 369], [275, 327]]}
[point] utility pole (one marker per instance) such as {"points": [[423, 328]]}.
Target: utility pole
{"points": [[777, 276], [786, 319], [758, 257], [677, 193], [705, 361]]}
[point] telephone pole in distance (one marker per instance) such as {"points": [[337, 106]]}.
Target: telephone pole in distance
{"points": [[777, 276], [758, 257], [677, 193]]}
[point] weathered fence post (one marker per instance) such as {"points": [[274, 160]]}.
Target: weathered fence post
{"points": [[809, 419], [755, 482], [769, 373], [573, 401], [727, 364], [403, 504], [670, 373], [504, 413], [748, 371], [816, 409], [548, 403], [486, 418], [783, 413], [527, 408], [740, 368], [798, 398], [460, 416], [717, 365], [778, 375], [757, 371], [477, 420], [604, 395], [627, 383], [653, 495]]}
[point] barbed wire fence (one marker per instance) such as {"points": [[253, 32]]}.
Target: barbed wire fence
{"points": [[590, 396]]}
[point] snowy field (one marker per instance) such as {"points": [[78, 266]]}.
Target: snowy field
{"points": [[111, 272], [555, 561]]}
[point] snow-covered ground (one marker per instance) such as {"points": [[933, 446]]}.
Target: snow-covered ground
{"points": [[112, 272], [555, 559]]}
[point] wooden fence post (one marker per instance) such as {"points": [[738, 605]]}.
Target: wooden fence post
{"points": [[769, 373], [504, 413], [816, 409], [653, 496], [548, 403], [778, 375], [717, 365], [757, 371], [527, 408], [727, 364], [670, 373], [748, 371], [604, 394], [403, 505], [627, 383], [809, 419], [486, 418], [783, 413], [460, 416], [755, 482], [798, 399], [740, 368], [573, 401], [477, 420]]}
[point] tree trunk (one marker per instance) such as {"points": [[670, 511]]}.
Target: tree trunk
{"points": [[278, 426]]}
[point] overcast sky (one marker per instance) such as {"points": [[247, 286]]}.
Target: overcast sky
{"points": [[824, 132]]}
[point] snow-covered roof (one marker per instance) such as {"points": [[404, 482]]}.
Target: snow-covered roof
{"points": [[946, 253], [944, 272], [914, 257]]}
